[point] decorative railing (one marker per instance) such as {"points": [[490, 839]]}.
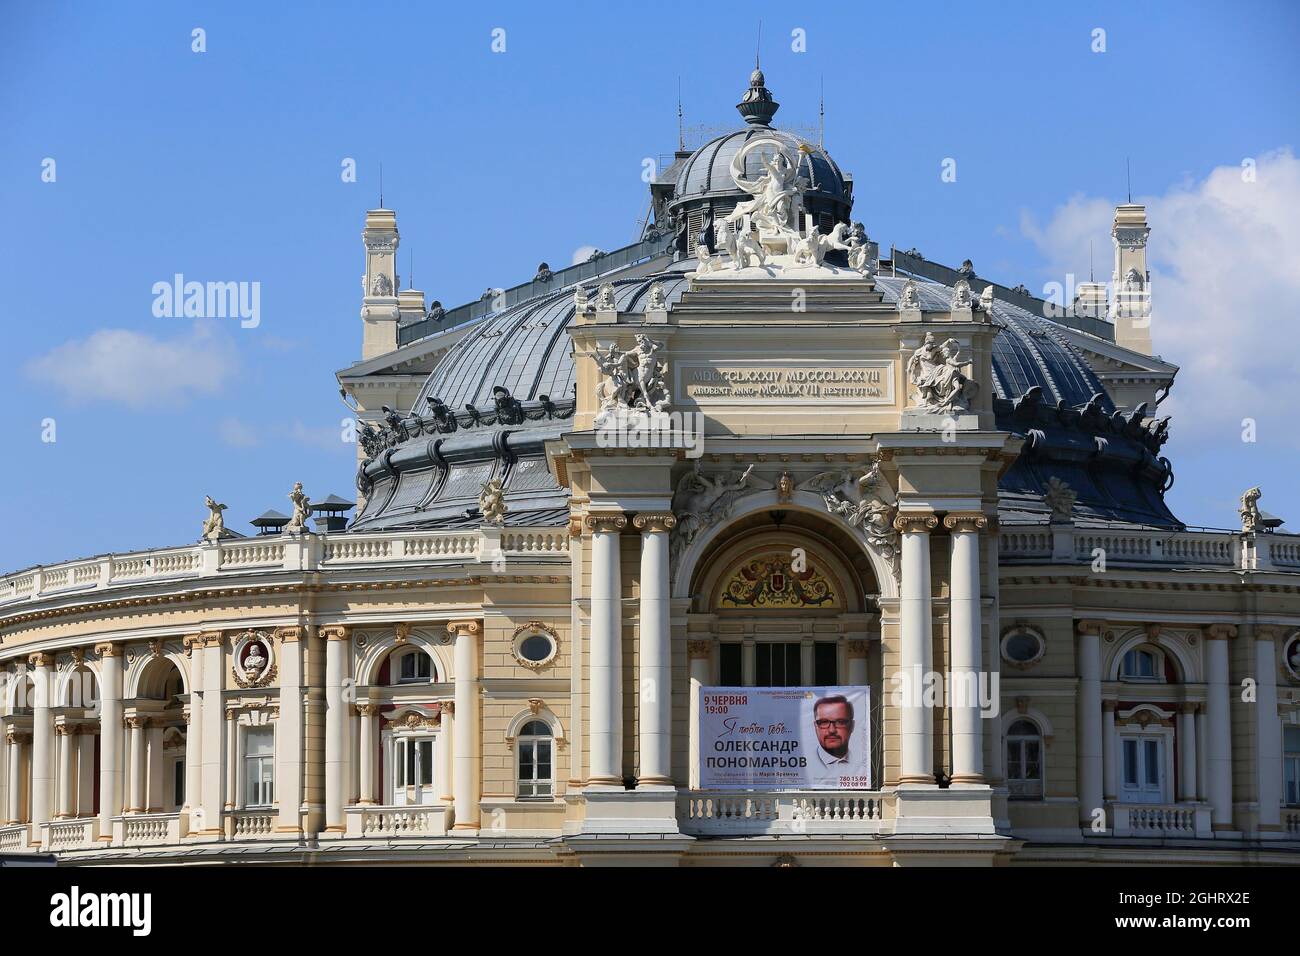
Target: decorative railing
{"points": [[284, 553], [72, 834], [1174, 821], [14, 839], [396, 822], [705, 812], [252, 824], [1069, 544], [1291, 823], [148, 829]]}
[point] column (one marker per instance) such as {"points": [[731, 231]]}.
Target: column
{"points": [[1218, 770], [1187, 752], [368, 714], [336, 645], [446, 733], [996, 772], [606, 732], [466, 764], [194, 731], [1108, 741], [748, 649], [1268, 729], [1089, 715], [42, 740], [289, 733], [1202, 760], [916, 721], [857, 657], [135, 764], [966, 631], [655, 668], [156, 790], [85, 760], [15, 792], [234, 746], [700, 653], [211, 749], [64, 739], [110, 736]]}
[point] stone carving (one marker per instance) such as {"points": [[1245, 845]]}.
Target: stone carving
{"points": [[1060, 497], [492, 502], [252, 665], [986, 299], [935, 372], [1249, 511], [707, 261], [381, 285], [634, 379], [605, 298], [777, 202], [812, 249], [746, 248], [961, 296], [580, 301], [655, 298], [784, 487], [860, 257], [436, 312], [862, 504], [214, 525], [701, 500], [909, 298], [301, 510]]}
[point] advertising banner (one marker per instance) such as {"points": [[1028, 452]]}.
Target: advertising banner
{"points": [[785, 738]]}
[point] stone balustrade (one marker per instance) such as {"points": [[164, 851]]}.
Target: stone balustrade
{"points": [[1145, 547], [717, 812]]}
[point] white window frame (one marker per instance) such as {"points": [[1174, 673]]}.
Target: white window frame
{"points": [[528, 744], [400, 658], [1157, 675], [247, 766], [1291, 766], [396, 743], [1025, 788]]}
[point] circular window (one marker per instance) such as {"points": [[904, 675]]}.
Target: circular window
{"points": [[1291, 656], [535, 644], [1022, 647]]}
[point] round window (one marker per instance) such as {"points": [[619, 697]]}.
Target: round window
{"points": [[1022, 647], [1291, 657], [536, 648], [535, 645]]}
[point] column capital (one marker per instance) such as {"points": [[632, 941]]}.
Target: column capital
{"points": [[367, 710], [64, 730], [1109, 705], [965, 521], [456, 628], [336, 632], [614, 521], [1187, 707], [1267, 632], [1220, 632], [699, 648], [856, 648], [136, 722], [916, 522], [575, 526], [288, 635], [651, 522], [40, 659], [15, 736], [210, 638], [447, 707], [109, 649], [1090, 626]]}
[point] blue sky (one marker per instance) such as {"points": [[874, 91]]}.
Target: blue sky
{"points": [[225, 166]]}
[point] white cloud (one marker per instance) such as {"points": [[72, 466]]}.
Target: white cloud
{"points": [[582, 254], [1224, 256], [135, 369], [238, 434], [242, 434]]}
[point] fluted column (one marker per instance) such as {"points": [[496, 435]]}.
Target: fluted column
{"points": [[42, 739], [336, 644], [606, 657], [1218, 707], [1089, 716], [65, 737], [1187, 752], [467, 764], [1108, 741], [15, 740], [655, 651], [966, 633], [368, 714], [135, 800], [701, 657], [916, 721], [110, 736], [212, 750]]}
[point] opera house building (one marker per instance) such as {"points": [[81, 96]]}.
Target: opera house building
{"points": [[751, 543]]}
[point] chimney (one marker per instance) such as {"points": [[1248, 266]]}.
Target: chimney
{"points": [[1090, 300], [1130, 308], [379, 301]]}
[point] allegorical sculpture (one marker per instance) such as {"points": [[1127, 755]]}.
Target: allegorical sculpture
{"points": [[1251, 519], [492, 502], [381, 285], [581, 303], [702, 499], [861, 505], [935, 373], [214, 525], [986, 298], [634, 379], [301, 510], [1060, 497], [655, 298], [777, 203]]}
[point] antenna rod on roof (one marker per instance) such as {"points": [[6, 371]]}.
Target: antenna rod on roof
{"points": [[381, 185], [681, 133], [821, 114], [1128, 176], [1091, 277], [759, 44], [410, 273]]}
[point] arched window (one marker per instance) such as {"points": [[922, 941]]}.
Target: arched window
{"points": [[1024, 761], [413, 667], [536, 746], [1141, 664]]}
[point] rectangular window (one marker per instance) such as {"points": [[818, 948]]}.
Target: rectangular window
{"points": [[730, 670], [826, 664], [1291, 765], [259, 767], [777, 665], [178, 782], [1130, 763], [535, 767]]}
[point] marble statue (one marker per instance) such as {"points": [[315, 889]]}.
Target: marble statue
{"points": [[707, 262], [255, 662], [909, 298], [580, 301], [1060, 497], [935, 372], [634, 379], [655, 298], [747, 248], [777, 202], [492, 502], [986, 299], [1251, 520], [214, 525], [861, 507], [860, 258], [301, 510]]}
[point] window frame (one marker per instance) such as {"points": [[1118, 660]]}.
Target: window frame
{"points": [[528, 746], [1026, 785], [259, 785]]}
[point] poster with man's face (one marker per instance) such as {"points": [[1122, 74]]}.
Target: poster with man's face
{"points": [[785, 738]]}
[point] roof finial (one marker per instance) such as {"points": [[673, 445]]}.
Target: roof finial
{"points": [[681, 132], [821, 112], [758, 46], [410, 273], [757, 105]]}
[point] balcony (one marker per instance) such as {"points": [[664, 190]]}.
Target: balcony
{"points": [[251, 824], [76, 834], [15, 838], [811, 812], [150, 829], [393, 823], [1170, 821]]}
